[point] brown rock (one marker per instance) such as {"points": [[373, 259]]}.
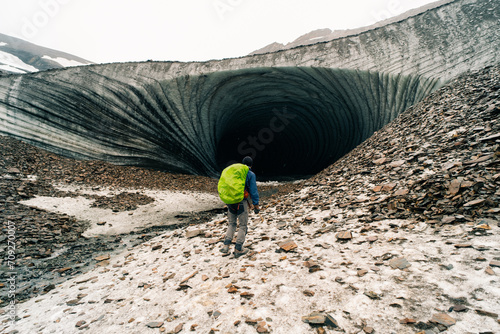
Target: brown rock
{"points": [[372, 295], [443, 319], [495, 263], [486, 313], [347, 235], [475, 202], [246, 295], [463, 246], [368, 330], [80, 323], [287, 245], [406, 321], [308, 293], [402, 192], [102, 258], [189, 277], [362, 272], [262, 329], [388, 186], [454, 187], [178, 328], [317, 318]]}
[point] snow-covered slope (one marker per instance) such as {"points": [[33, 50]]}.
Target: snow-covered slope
{"points": [[19, 56]]}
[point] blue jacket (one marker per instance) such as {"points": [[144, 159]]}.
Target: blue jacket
{"points": [[251, 186]]}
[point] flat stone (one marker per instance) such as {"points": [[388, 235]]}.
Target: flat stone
{"points": [[155, 324], [463, 246], [402, 192], [399, 263], [287, 245], [246, 295], [178, 329], [443, 319], [13, 170], [80, 323], [347, 235], [459, 308], [194, 233], [486, 313], [448, 219], [262, 329], [371, 295], [406, 321], [398, 163], [454, 187], [489, 271], [362, 272], [317, 318], [308, 293], [102, 258], [380, 161], [475, 202], [495, 263], [388, 187]]}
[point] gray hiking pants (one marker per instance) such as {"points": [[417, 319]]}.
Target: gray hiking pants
{"points": [[242, 230]]}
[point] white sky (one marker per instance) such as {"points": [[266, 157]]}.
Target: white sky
{"points": [[185, 30]]}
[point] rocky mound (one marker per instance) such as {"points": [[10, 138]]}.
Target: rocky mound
{"points": [[401, 235]]}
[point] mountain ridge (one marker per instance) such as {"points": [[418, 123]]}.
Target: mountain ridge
{"points": [[20, 56], [326, 34]]}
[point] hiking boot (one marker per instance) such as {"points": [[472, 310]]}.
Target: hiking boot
{"points": [[238, 253], [225, 249]]}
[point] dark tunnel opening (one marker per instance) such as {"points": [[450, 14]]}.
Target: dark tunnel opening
{"points": [[282, 143]]}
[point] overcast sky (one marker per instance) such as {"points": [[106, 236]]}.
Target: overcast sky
{"points": [[185, 30]]}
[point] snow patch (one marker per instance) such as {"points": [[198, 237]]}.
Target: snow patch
{"points": [[11, 60], [63, 61], [162, 211], [3, 44], [9, 68]]}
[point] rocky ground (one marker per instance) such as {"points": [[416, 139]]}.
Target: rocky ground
{"points": [[399, 236], [42, 236]]}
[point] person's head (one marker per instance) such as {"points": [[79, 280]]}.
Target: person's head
{"points": [[247, 161]]}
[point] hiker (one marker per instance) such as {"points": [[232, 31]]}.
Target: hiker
{"points": [[239, 211]]}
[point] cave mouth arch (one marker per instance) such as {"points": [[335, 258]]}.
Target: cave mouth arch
{"points": [[297, 121], [294, 121]]}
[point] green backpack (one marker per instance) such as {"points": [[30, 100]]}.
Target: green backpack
{"points": [[231, 185]]}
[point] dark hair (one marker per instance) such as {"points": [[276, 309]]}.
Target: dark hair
{"points": [[247, 161]]}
